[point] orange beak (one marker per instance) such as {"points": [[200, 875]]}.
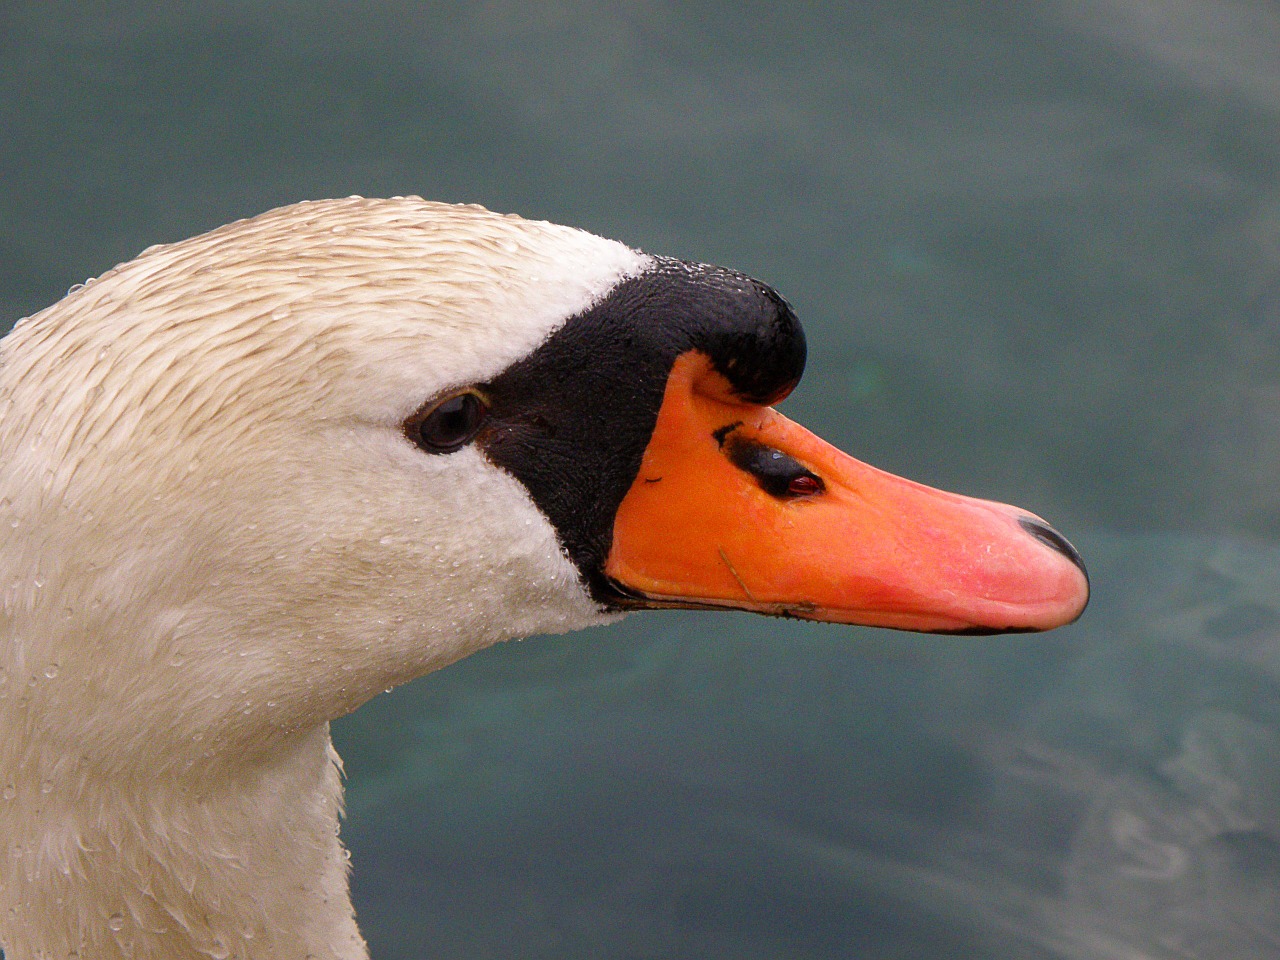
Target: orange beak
{"points": [[736, 506]]}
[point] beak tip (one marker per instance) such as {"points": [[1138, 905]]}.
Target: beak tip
{"points": [[1051, 538]]}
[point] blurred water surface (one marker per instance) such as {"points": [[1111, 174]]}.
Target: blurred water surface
{"points": [[1037, 251]]}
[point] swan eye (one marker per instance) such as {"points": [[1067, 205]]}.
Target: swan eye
{"points": [[449, 425]]}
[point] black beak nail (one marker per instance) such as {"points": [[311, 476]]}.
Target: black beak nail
{"points": [[1053, 539]]}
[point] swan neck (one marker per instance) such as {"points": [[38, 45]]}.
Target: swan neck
{"points": [[251, 869]]}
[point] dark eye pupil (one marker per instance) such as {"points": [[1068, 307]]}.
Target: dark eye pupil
{"points": [[452, 424]]}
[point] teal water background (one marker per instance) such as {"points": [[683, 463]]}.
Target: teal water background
{"points": [[1037, 251]]}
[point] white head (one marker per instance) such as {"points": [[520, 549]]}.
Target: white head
{"points": [[206, 473], [207, 469]]}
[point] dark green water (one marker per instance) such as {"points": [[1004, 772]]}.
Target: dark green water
{"points": [[1037, 251]]}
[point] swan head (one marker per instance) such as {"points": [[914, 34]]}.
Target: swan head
{"points": [[253, 478]]}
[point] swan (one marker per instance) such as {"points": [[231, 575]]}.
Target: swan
{"points": [[251, 479]]}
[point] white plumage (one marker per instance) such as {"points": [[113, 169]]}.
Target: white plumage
{"points": [[237, 500], [215, 539]]}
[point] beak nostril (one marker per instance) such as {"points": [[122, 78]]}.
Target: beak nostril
{"points": [[777, 473], [1053, 539]]}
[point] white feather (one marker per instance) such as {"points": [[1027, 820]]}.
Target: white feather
{"points": [[214, 538]]}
